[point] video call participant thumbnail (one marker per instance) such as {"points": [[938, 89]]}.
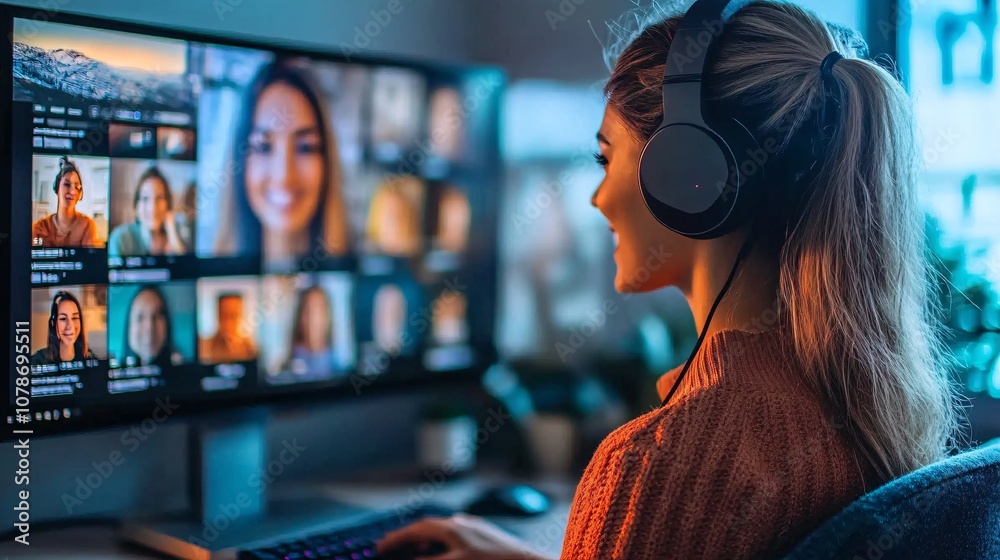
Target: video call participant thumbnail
{"points": [[448, 344], [395, 217], [156, 322], [314, 339], [454, 216], [143, 208], [398, 107], [287, 179], [446, 123], [131, 141], [226, 334], [175, 143], [450, 324], [61, 335], [392, 316], [389, 318], [68, 225]]}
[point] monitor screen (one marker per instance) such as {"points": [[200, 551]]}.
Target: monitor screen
{"points": [[221, 223]]}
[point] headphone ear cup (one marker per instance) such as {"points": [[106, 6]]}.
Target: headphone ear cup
{"points": [[691, 177], [747, 172]]}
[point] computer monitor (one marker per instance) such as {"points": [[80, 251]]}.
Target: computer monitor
{"points": [[226, 223], [197, 224]]}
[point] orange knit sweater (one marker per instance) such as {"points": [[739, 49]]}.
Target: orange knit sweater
{"points": [[743, 463]]}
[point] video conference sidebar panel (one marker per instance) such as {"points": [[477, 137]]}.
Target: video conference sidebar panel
{"points": [[194, 219]]}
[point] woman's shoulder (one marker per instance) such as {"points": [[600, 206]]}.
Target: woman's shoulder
{"points": [[764, 443], [42, 225], [739, 461], [122, 233], [729, 470], [755, 420], [87, 229], [122, 230], [86, 222], [126, 240], [39, 358], [651, 427]]}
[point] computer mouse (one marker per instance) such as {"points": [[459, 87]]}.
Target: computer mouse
{"points": [[516, 500]]}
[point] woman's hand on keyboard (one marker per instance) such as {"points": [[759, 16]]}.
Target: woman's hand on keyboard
{"points": [[466, 538]]}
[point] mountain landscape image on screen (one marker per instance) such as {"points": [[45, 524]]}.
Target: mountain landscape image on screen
{"points": [[66, 76]]}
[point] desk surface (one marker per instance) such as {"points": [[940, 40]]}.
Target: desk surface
{"points": [[544, 533]]}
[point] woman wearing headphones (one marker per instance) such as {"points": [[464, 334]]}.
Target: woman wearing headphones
{"points": [[766, 432], [66, 227], [67, 338]]}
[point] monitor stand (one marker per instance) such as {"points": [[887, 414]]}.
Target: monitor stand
{"points": [[229, 478]]}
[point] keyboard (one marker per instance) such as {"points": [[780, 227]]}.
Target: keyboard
{"points": [[351, 543]]}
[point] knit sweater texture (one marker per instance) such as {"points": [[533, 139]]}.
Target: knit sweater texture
{"points": [[744, 462]]}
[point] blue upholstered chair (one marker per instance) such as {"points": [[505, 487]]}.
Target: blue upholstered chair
{"points": [[948, 510]]}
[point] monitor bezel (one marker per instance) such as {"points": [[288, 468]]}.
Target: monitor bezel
{"points": [[407, 375]]}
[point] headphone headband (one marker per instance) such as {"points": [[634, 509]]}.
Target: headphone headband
{"points": [[696, 34], [694, 173]]}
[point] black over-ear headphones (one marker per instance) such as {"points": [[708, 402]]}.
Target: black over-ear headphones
{"points": [[690, 173]]}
